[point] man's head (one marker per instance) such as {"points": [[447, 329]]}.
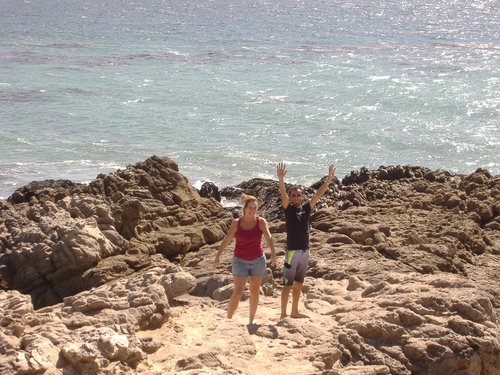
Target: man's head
{"points": [[296, 195]]}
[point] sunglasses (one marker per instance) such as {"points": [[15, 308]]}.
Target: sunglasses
{"points": [[296, 195]]}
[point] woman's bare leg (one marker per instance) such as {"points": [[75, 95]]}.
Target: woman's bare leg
{"points": [[254, 283], [239, 288]]}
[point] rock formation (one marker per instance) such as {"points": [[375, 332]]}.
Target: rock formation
{"points": [[58, 239], [116, 277]]}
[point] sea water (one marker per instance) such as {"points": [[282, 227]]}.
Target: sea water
{"points": [[228, 88]]}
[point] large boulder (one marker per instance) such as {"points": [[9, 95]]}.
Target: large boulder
{"points": [[93, 331], [56, 236]]}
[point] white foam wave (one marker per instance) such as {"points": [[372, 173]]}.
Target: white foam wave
{"points": [[176, 53], [278, 98], [141, 99], [23, 140], [367, 108], [229, 203], [379, 78]]}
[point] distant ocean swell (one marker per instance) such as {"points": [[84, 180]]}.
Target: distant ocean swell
{"points": [[227, 89]]}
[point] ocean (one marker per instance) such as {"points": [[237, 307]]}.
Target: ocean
{"points": [[228, 88]]}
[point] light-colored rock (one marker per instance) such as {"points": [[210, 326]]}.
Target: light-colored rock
{"points": [[93, 331], [177, 284], [403, 278], [58, 231]]}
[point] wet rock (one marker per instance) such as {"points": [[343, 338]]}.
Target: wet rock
{"points": [[210, 190]]}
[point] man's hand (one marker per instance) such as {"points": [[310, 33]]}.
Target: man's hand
{"points": [[281, 170], [331, 173], [324, 187]]}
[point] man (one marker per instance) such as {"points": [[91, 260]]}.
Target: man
{"points": [[297, 214]]}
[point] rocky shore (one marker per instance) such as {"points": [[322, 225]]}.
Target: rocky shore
{"points": [[116, 277]]}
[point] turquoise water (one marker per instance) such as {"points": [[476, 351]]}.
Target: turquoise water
{"points": [[229, 88]]}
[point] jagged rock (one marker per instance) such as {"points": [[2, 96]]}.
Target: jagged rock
{"points": [[267, 192], [47, 190], [55, 243], [177, 284], [56, 246], [91, 332], [206, 286], [403, 277], [210, 190]]}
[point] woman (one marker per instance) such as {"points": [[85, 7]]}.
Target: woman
{"points": [[249, 261]]}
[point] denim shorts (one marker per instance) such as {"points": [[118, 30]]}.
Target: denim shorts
{"points": [[254, 267]]}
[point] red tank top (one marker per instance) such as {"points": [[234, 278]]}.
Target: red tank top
{"points": [[248, 242]]}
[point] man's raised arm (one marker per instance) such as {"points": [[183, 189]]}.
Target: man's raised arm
{"points": [[281, 172], [324, 187]]}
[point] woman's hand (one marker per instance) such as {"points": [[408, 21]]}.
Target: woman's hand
{"points": [[216, 261], [273, 259]]}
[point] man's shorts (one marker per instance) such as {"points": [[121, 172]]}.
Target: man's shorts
{"points": [[254, 267], [296, 262]]}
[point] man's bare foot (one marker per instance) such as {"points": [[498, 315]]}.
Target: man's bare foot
{"points": [[298, 316], [283, 316]]}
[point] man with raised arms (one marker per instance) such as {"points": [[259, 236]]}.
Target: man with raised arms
{"points": [[297, 218]]}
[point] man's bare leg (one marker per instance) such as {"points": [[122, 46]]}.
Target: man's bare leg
{"points": [[296, 291], [285, 293]]}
